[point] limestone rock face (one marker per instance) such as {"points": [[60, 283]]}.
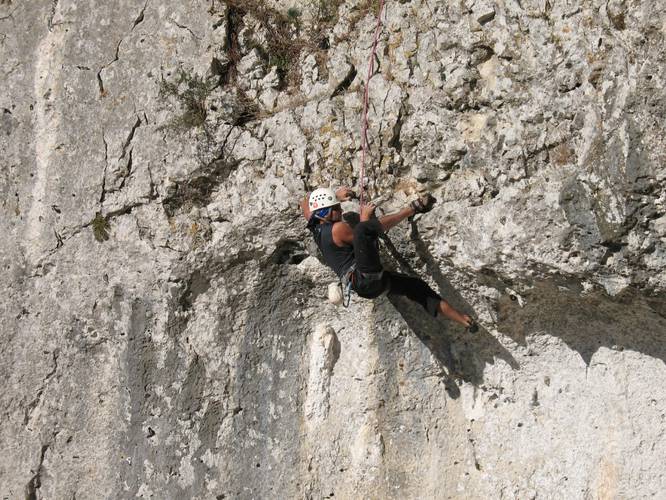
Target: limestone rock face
{"points": [[165, 329]]}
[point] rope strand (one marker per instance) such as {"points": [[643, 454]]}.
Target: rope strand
{"points": [[364, 124]]}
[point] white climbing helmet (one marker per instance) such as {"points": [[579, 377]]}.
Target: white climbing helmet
{"points": [[322, 198]]}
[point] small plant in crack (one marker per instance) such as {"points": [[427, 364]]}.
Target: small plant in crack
{"points": [[369, 6], [244, 110], [363, 8], [100, 227], [190, 92], [273, 56], [199, 233], [327, 17], [293, 14], [327, 11]]}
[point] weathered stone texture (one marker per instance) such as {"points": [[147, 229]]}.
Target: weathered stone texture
{"points": [[165, 332]]}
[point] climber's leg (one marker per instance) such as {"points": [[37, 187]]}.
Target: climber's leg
{"points": [[416, 290], [419, 291]]}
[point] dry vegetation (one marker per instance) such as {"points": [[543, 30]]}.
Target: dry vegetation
{"points": [[284, 34]]}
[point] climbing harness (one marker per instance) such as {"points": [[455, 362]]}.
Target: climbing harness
{"points": [[364, 123]]}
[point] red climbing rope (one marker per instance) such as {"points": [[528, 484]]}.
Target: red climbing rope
{"points": [[364, 125]]}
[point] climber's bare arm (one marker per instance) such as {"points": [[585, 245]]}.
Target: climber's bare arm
{"points": [[391, 220], [387, 221], [305, 207], [421, 205]]}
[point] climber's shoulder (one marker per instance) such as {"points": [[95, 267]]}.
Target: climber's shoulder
{"points": [[343, 235]]}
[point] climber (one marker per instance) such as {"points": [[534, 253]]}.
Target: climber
{"points": [[353, 254]]}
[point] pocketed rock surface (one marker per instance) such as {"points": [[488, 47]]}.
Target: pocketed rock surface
{"points": [[165, 329]]}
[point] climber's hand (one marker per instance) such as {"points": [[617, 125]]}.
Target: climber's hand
{"points": [[344, 193], [423, 203], [368, 211]]}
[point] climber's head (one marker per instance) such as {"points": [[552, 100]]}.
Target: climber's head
{"points": [[324, 205], [329, 214]]}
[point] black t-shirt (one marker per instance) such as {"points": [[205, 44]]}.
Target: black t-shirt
{"points": [[337, 258]]}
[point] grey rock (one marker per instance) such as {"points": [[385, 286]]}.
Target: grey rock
{"points": [[165, 329]]}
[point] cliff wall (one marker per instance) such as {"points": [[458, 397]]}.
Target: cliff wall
{"points": [[165, 331]]}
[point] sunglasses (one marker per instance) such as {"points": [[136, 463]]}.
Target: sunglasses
{"points": [[323, 212]]}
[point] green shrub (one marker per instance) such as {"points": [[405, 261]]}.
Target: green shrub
{"points": [[100, 227], [190, 92]]}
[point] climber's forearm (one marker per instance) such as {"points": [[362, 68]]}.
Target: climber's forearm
{"points": [[305, 207], [391, 220]]}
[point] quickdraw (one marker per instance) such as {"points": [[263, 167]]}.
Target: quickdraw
{"points": [[347, 300], [346, 283]]}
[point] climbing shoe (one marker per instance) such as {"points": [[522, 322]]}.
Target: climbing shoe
{"points": [[473, 327], [423, 203]]}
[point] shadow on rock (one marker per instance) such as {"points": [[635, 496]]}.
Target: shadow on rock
{"points": [[586, 322], [463, 354]]}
